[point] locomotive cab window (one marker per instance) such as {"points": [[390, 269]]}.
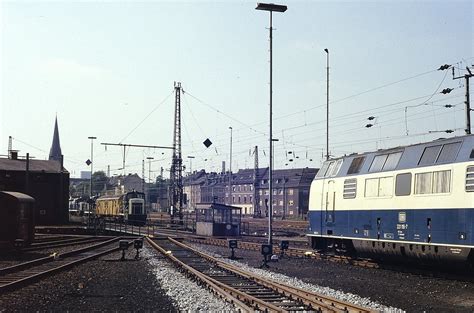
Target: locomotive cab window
{"points": [[330, 168]]}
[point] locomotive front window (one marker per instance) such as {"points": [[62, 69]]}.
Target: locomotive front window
{"points": [[137, 208]]}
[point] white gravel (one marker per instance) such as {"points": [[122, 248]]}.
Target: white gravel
{"points": [[292, 281], [186, 294]]}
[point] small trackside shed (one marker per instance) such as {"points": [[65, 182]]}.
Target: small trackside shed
{"points": [[213, 219]]}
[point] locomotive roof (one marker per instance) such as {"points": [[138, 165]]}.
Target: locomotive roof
{"points": [[436, 152]]}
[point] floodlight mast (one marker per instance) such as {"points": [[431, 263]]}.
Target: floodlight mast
{"points": [[277, 8]]}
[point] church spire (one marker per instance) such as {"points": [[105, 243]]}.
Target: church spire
{"points": [[55, 152]]}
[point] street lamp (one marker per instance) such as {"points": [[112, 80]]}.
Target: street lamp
{"points": [[91, 163], [149, 181], [190, 157], [327, 103], [230, 168], [277, 8]]}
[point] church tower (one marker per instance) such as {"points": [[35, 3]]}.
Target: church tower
{"points": [[55, 152]]}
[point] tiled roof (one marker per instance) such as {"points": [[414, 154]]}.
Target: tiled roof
{"points": [[47, 166]]}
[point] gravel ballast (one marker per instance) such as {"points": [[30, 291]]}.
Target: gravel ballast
{"points": [[409, 292], [186, 294], [102, 285]]}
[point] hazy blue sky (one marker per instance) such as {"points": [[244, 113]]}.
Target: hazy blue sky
{"points": [[103, 67]]}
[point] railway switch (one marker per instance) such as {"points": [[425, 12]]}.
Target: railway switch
{"points": [[232, 245], [137, 244], [123, 245]]}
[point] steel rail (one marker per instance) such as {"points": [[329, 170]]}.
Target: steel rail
{"points": [[203, 278], [295, 296], [310, 298], [61, 243], [25, 273]]}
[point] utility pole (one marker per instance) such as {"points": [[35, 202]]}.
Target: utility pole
{"points": [[143, 175], [467, 102], [10, 146], [230, 169], [149, 183], [256, 181], [176, 173], [327, 104]]}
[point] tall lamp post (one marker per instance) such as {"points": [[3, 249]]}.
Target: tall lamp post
{"points": [[149, 182], [190, 157], [230, 168], [91, 162], [277, 8], [327, 104]]}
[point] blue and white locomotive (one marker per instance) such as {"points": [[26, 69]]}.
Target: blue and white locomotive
{"points": [[412, 201]]}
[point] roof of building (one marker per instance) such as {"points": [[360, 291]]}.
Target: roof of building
{"points": [[47, 166]]}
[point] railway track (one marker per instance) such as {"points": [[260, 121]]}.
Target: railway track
{"points": [[62, 242], [243, 289], [25, 273], [294, 252]]}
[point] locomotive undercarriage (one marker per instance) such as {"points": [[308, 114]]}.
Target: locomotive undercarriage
{"points": [[380, 249]]}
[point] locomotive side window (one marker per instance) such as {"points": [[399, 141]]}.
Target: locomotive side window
{"points": [[371, 187], [430, 155], [379, 187], [433, 182], [441, 182], [403, 184], [448, 152], [423, 183], [377, 163], [350, 188], [392, 161], [356, 164], [385, 162], [470, 179]]}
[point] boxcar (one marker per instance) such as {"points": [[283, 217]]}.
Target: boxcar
{"points": [[17, 219]]}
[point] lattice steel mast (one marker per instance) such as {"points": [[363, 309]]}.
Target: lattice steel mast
{"points": [[176, 178]]}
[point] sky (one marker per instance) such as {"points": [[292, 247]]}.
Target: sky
{"points": [[107, 69]]}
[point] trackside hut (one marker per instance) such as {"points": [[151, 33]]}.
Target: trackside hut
{"points": [[46, 181]]}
